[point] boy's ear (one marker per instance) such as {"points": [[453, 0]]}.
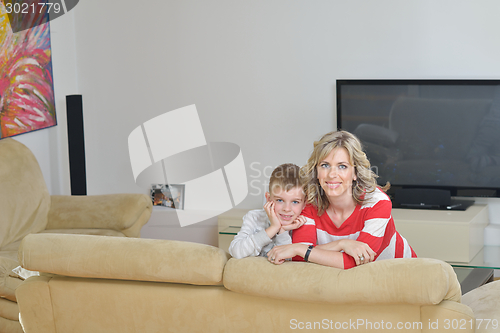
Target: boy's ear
{"points": [[268, 196]]}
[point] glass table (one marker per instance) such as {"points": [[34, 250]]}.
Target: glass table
{"points": [[488, 257], [478, 271], [230, 231]]}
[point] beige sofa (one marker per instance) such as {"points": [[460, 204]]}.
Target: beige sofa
{"points": [[26, 207], [485, 303], [108, 284]]}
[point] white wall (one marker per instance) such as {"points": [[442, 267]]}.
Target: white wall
{"points": [[261, 73]]}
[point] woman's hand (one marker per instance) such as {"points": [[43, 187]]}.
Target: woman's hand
{"points": [[360, 251], [279, 254]]}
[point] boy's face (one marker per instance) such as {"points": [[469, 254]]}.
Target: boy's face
{"points": [[287, 204]]}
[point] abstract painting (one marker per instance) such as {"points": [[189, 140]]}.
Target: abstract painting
{"points": [[26, 84]]}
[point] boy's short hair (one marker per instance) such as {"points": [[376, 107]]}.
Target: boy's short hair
{"points": [[285, 177]]}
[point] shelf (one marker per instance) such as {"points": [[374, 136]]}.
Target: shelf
{"points": [[231, 230]]}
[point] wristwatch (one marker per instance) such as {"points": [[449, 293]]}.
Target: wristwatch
{"points": [[308, 252]]}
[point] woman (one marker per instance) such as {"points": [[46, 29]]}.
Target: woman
{"points": [[348, 216]]}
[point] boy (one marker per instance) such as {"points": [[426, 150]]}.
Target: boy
{"points": [[262, 229]]}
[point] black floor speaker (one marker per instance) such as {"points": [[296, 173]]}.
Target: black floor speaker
{"points": [[76, 145]]}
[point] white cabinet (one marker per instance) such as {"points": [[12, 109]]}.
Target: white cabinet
{"points": [[453, 236], [229, 224]]}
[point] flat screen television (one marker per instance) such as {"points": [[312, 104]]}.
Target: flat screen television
{"points": [[427, 137]]}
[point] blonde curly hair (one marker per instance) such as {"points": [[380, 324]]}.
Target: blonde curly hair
{"points": [[365, 177]]}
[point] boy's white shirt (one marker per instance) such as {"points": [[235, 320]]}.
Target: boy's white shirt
{"points": [[252, 240]]}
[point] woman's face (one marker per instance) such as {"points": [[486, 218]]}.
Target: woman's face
{"points": [[336, 174]]}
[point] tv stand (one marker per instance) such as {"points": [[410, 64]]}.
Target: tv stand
{"points": [[449, 235]]}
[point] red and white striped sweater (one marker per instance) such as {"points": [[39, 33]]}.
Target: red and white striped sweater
{"points": [[370, 223]]}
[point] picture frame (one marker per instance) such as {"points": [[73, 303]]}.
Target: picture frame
{"points": [[168, 195], [28, 101]]}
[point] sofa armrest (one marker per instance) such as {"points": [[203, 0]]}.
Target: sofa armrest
{"points": [[122, 212], [455, 312], [419, 281], [123, 258]]}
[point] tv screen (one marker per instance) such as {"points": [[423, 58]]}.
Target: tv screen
{"points": [[438, 134]]}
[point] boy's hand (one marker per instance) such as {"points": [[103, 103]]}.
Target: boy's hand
{"points": [[299, 222], [279, 254], [275, 226]]}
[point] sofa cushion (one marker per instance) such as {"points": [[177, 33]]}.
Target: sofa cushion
{"points": [[485, 303], [123, 258], [12, 247], [11, 326], [411, 281], [9, 259], [8, 280], [9, 309], [24, 198]]}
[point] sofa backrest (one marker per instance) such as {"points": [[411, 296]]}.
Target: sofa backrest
{"points": [[123, 258], [453, 123], [419, 281], [24, 198]]}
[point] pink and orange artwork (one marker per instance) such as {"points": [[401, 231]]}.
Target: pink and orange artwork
{"points": [[26, 84]]}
